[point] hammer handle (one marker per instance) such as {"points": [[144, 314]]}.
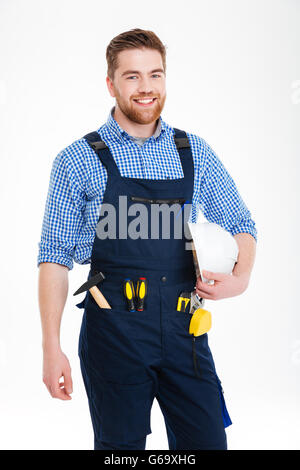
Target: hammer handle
{"points": [[99, 298]]}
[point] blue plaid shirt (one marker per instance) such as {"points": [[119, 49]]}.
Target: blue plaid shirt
{"points": [[78, 181]]}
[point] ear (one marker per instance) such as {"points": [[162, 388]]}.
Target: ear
{"points": [[110, 87]]}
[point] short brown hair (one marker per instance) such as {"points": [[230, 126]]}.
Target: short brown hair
{"points": [[133, 39]]}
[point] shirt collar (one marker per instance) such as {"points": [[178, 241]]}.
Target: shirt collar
{"points": [[115, 131]]}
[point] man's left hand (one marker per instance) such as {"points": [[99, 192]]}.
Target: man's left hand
{"points": [[225, 285]]}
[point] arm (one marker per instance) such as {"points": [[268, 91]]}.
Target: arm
{"points": [[247, 251], [61, 224], [227, 285], [53, 291], [221, 203]]}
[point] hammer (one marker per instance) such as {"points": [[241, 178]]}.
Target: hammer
{"points": [[91, 285]]}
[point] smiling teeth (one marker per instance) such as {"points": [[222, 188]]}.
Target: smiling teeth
{"points": [[145, 101]]}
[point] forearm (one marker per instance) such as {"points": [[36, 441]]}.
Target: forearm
{"points": [[227, 285], [247, 250], [53, 291]]}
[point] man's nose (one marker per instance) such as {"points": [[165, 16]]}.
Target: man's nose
{"points": [[145, 86]]}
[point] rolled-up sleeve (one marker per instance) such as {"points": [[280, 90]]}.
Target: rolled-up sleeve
{"points": [[220, 200], [63, 215]]}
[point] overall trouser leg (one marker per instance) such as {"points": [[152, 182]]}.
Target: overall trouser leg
{"points": [[130, 358]]}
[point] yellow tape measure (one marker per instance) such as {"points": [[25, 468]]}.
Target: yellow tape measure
{"points": [[200, 322]]}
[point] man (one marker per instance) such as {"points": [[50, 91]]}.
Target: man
{"points": [[128, 358]]}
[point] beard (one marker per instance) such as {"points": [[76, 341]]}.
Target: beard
{"points": [[141, 116]]}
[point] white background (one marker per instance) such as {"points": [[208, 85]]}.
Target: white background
{"points": [[233, 77]]}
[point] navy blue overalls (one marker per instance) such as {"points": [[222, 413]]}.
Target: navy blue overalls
{"points": [[129, 358]]}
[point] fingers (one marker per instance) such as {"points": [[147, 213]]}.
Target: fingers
{"points": [[213, 276], [204, 288], [57, 374], [56, 392], [204, 295], [210, 291], [59, 389], [68, 384]]}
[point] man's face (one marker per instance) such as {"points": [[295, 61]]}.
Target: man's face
{"points": [[139, 76]]}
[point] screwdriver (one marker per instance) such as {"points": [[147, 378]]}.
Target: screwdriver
{"points": [[183, 301], [141, 292], [129, 294]]}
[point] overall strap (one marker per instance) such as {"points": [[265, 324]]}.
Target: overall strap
{"points": [[103, 152], [181, 139], [185, 152]]}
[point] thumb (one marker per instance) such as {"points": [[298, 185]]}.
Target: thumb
{"points": [[208, 274]]}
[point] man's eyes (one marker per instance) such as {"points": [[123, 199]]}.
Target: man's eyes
{"points": [[134, 76]]}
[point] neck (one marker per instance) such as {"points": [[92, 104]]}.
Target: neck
{"points": [[133, 128]]}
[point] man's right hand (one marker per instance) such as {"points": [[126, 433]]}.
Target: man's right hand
{"points": [[55, 367]]}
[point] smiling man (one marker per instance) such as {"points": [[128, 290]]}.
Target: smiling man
{"points": [[138, 347]]}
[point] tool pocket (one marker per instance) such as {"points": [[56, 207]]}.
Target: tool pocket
{"points": [[114, 355], [179, 320], [226, 418]]}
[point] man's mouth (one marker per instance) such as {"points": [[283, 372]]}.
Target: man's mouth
{"points": [[145, 102]]}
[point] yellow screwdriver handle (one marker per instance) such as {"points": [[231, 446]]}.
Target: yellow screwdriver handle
{"points": [[129, 289], [141, 292], [129, 294]]}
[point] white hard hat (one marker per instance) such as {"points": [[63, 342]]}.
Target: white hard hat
{"points": [[216, 249]]}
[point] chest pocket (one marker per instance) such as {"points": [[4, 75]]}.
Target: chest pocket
{"points": [[158, 201]]}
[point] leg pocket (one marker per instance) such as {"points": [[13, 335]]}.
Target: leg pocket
{"points": [[226, 418], [125, 412]]}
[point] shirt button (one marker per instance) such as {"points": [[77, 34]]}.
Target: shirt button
{"points": [[163, 279]]}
